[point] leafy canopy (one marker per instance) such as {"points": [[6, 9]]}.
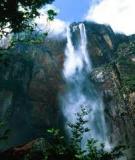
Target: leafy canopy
{"points": [[16, 15]]}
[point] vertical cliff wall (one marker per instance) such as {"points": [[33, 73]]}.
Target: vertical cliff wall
{"points": [[116, 81], [31, 80]]}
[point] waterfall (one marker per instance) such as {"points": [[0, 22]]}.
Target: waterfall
{"points": [[79, 89], [76, 59]]}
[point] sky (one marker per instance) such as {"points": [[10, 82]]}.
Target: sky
{"points": [[119, 14], [72, 10]]}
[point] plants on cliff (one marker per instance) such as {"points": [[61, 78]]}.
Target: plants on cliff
{"points": [[125, 62]]}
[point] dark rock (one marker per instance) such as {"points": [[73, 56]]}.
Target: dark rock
{"points": [[32, 150]]}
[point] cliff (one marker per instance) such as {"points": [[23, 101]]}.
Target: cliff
{"points": [[117, 83], [31, 79]]}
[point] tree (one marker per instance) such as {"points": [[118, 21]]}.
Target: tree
{"points": [[93, 149], [17, 15], [58, 149], [79, 129]]}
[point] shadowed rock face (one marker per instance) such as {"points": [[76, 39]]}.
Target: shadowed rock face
{"points": [[31, 79]]}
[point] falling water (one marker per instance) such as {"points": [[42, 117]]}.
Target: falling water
{"points": [[79, 90]]}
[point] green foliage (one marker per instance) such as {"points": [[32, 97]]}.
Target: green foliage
{"points": [[58, 149], [126, 68], [78, 130], [96, 151], [17, 15], [126, 65], [51, 14], [29, 37]]}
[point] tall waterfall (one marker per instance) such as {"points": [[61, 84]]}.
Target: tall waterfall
{"points": [[79, 89]]}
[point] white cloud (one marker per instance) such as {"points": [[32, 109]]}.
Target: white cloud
{"points": [[119, 14], [55, 27]]}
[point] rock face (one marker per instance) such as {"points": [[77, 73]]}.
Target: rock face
{"points": [[31, 79], [116, 81], [102, 42]]}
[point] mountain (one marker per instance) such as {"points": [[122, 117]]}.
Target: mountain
{"points": [[31, 81]]}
